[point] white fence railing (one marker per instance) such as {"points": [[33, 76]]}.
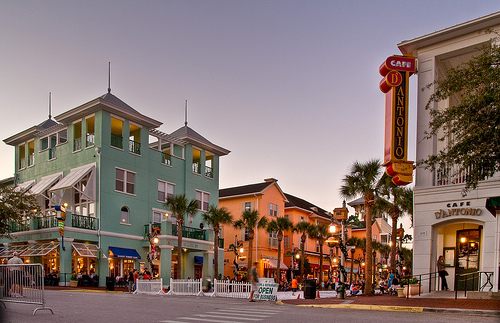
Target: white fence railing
{"points": [[185, 287], [232, 289], [23, 283], [154, 286]]}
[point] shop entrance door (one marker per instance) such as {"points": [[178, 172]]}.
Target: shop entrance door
{"points": [[467, 259]]}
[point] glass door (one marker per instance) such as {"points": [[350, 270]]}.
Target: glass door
{"points": [[467, 259]]}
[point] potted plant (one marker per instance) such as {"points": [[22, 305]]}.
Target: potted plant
{"points": [[411, 284], [73, 282]]}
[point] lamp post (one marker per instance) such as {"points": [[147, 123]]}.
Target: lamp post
{"points": [[373, 271], [341, 214], [237, 248]]}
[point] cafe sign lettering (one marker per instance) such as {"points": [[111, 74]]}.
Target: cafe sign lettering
{"points": [[266, 292], [396, 71], [458, 209]]}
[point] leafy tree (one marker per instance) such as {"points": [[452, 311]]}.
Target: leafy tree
{"points": [[279, 225], [353, 221], [15, 206], [321, 232], [472, 125], [362, 180], [180, 207], [401, 203], [250, 220], [214, 218], [304, 228]]}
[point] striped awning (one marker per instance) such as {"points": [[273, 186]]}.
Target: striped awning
{"points": [[270, 263], [45, 183], [85, 249], [40, 249]]}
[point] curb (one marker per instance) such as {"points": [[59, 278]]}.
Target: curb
{"points": [[371, 307], [462, 311], [91, 291]]}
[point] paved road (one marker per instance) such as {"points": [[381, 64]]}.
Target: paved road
{"points": [[69, 306]]}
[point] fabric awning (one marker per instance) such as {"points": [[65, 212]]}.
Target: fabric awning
{"points": [[273, 264], [85, 249], [45, 183], [123, 253], [23, 187], [76, 175], [493, 205], [40, 249], [198, 259]]}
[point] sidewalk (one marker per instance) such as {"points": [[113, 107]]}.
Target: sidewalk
{"points": [[429, 302]]}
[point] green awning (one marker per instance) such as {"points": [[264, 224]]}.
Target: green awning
{"points": [[493, 205]]}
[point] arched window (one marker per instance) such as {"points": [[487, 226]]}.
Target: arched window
{"points": [[124, 215]]}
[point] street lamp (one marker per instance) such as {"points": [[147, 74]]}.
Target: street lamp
{"points": [[340, 214]]}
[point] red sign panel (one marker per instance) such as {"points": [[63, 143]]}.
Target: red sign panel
{"points": [[398, 63]]}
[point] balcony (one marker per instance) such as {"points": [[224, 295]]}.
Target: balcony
{"points": [[196, 168], [134, 147], [192, 233], [116, 141], [31, 160], [153, 227], [90, 139], [45, 222], [18, 227], [77, 144], [450, 175], [166, 159], [83, 222], [22, 163], [209, 172]]}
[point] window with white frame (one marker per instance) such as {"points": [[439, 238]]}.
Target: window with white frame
{"points": [[83, 206], [165, 190], [124, 215], [273, 240], [125, 181], [247, 206], [159, 216], [384, 239], [203, 199], [273, 209]]}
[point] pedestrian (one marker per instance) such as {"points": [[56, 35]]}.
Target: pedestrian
{"points": [[130, 280], [442, 273], [16, 275], [294, 285], [136, 277], [254, 279]]}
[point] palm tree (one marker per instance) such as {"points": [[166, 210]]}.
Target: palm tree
{"points": [[321, 232], [279, 225], [362, 180], [304, 228], [402, 203], [214, 218], [250, 220], [180, 207]]}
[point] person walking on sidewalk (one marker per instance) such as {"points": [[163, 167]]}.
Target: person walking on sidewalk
{"points": [[294, 285], [254, 279], [442, 273], [16, 275]]}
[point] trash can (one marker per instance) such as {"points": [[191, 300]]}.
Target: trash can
{"points": [[309, 288], [341, 291], [110, 283]]}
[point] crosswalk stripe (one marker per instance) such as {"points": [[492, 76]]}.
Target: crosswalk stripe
{"points": [[228, 317], [207, 320], [252, 310], [239, 314]]}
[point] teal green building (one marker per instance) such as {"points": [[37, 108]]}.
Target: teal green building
{"points": [[113, 169]]}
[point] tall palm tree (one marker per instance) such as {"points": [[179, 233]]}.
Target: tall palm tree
{"points": [[279, 225], [401, 202], [321, 232], [214, 218], [180, 207], [362, 180], [250, 220], [304, 228]]}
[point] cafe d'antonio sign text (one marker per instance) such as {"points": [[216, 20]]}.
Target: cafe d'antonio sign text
{"points": [[458, 209], [396, 71]]}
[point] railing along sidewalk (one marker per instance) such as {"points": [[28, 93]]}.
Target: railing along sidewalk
{"points": [[232, 289], [23, 283], [479, 276], [185, 287], [153, 286]]}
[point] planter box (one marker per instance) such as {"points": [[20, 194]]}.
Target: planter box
{"points": [[400, 292], [413, 290], [73, 283]]}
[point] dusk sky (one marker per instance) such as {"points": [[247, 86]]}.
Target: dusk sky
{"points": [[289, 87]]}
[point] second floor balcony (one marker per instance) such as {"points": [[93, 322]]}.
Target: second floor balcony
{"points": [[116, 141], [134, 147], [50, 221]]}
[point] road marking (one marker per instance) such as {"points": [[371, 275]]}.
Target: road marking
{"points": [[224, 312], [253, 310], [372, 307], [208, 320], [225, 316]]}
